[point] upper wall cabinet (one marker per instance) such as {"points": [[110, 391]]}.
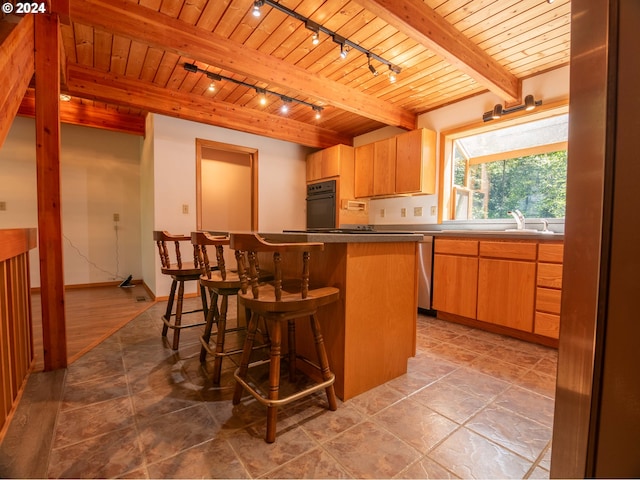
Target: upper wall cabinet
{"points": [[402, 164], [326, 163], [416, 162]]}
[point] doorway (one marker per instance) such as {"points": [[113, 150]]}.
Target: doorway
{"points": [[226, 187]]}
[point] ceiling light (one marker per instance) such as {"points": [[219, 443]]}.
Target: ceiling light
{"points": [[315, 39], [529, 102], [214, 77], [344, 50], [212, 87], [256, 7], [497, 111], [315, 28], [318, 111], [372, 69], [285, 104]]}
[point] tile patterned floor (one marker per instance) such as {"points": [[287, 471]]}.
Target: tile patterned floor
{"points": [[472, 405]]}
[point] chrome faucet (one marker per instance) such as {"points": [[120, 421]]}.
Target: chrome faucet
{"points": [[519, 218]]}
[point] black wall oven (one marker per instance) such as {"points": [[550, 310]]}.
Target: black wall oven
{"points": [[321, 204]]}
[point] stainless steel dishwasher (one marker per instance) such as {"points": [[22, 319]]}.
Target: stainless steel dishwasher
{"points": [[425, 270]]}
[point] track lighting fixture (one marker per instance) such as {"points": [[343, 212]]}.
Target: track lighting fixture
{"points": [[315, 28], [498, 111], [285, 104], [318, 111], [256, 7], [344, 51], [372, 69], [345, 43], [212, 87], [193, 68]]}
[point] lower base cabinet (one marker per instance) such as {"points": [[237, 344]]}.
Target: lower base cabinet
{"points": [[506, 290], [512, 285]]}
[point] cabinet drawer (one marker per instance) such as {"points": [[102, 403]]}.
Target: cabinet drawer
{"points": [[456, 247], [547, 324], [549, 275], [550, 252], [548, 300], [511, 250]]}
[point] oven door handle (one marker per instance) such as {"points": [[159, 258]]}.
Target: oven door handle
{"points": [[321, 196]]}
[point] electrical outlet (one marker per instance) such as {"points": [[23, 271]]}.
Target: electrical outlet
{"points": [[417, 211], [433, 211], [403, 212], [185, 209], [382, 212], [116, 217], [3, 206]]}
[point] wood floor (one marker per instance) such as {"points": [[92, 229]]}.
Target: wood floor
{"points": [[92, 314]]}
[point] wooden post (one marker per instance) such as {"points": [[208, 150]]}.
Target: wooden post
{"points": [[47, 67]]}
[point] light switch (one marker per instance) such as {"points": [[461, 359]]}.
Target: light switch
{"points": [[116, 217], [382, 212], [403, 212], [433, 211], [3, 206], [185, 208], [417, 211]]}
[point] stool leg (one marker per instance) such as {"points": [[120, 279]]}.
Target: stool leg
{"points": [[211, 318], [274, 379], [178, 322], [324, 361], [203, 296], [246, 355], [292, 350], [222, 327], [167, 313]]}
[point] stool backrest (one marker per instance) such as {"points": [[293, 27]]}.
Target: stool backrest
{"points": [[252, 243], [200, 241], [162, 238]]}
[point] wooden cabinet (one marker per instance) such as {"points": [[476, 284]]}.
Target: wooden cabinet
{"points": [[455, 276], [326, 163], [548, 290], [506, 284], [384, 167], [375, 168], [364, 171], [337, 163], [416, 162], [511, 287], [402, 164]]}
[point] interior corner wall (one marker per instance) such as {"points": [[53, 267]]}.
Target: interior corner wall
{"points": [[147, 207], [281, 181], [99, 178]]}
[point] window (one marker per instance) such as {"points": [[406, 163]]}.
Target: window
{"points": [[498, 168]]}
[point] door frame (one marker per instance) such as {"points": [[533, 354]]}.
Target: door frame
{"points": [[253, 165]]}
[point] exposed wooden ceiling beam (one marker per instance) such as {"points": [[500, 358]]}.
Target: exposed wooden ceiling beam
{"points": [[89, 83], [133, 21], [89, 116], [421, 23], [16, 70]]}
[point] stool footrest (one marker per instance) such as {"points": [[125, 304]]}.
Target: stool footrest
{"points": [[281, 401], [180, 327]]}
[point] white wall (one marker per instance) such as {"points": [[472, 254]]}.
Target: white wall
{"points": [[549, 87], [281, 181], [99, 177]]}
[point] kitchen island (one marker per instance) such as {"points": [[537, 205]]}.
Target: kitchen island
{"points": [[370, 333]]}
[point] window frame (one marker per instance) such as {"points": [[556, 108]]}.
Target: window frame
{"points": [[446, 192]]}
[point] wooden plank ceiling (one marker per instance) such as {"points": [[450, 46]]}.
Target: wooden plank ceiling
{"points": [[130, 54]]}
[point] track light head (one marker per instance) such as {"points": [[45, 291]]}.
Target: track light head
{"points": [[318, 111], [497, 111], [344, 50], [372, 69], [529, 103], [191, 67], [256, 7]]}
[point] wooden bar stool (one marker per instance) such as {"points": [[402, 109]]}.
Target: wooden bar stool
{"points": [[278, 302], [180, 272], [221, 283]]}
